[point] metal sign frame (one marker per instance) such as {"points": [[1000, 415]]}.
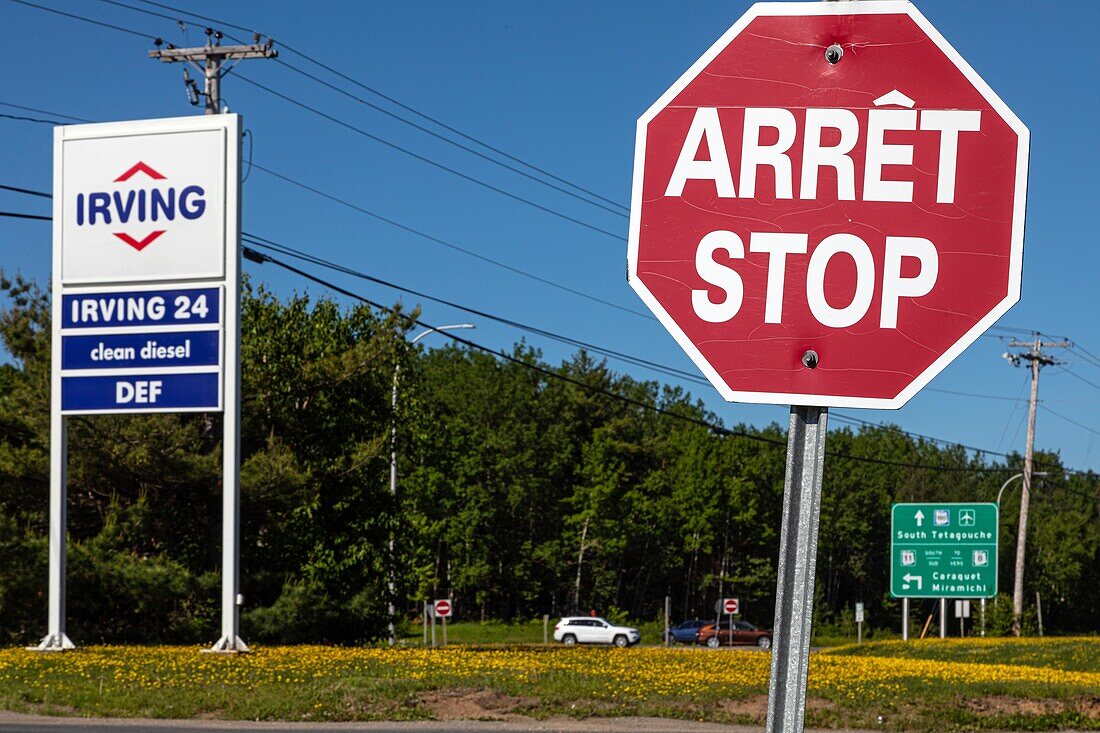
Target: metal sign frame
{"points": [[144, 131]]}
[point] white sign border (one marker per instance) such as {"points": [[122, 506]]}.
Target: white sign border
{"points": [[866, 7]]}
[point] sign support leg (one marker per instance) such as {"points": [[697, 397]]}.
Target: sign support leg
{"points": [[943, 618], [56, 640], [230, 641], [905, 619], [794, 595]]}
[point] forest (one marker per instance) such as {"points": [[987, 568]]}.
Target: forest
{"points": [[524, 488]]}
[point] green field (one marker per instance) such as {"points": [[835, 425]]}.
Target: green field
{"points": [[938, 685]]}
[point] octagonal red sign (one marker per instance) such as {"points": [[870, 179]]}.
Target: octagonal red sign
{"points": [[828, 206]]}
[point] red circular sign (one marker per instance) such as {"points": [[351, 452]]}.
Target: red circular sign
{"points": [[823, 233], [442, 608], [730, 605]]}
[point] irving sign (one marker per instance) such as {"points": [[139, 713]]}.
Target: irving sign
{"points": [[146, 301], [146, 239]]}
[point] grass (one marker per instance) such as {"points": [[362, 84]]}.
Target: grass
{"points": [[935, 685]]}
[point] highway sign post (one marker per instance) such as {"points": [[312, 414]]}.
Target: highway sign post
{"points": [[943, 550], [146, 302], [827, 208], [442, 609]]}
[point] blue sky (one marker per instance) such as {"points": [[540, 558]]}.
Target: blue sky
{"points": [[559, 85]]}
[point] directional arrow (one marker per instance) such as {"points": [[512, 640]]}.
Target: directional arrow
{"points": [[919, 516], [910, 578]]}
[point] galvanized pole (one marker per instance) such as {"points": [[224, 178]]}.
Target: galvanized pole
{"points": [[905, 619], [668, 620], [794, 597], [230, 640], [392, 571]]}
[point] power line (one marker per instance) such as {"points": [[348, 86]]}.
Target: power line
{"points": [[264, 242], [410, 229], [628, 358], [1063, 370], [16, 215], [448, 244], [721, 430], [973, 394], [26, 191], [23, 118], [84, 19], [428, 161], [396, 102], [255, 256], [449, 141], [1044, 408], [365, 133], [42, 111]]}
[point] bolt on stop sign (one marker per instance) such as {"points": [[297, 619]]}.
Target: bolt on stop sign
{"points": [[828, 206]]}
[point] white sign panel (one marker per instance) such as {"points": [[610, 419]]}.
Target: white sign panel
{"points": [[143, 201], [146, 257]]}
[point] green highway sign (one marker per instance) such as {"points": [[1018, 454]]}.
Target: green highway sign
{"points": [[943, 550]]}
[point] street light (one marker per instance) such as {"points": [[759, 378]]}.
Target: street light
{"points": [[393, 457], [1004, 486]]}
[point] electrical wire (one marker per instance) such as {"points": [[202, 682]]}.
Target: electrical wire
{"points": [[267, 243], [42, 111], [85, 19], [428, 161], [392, 100], [27, 191], [449, 141], [627, 358], [450, 245], [1044, 408], [261, 257], [23, 118], [16, 215], [371, 136]]}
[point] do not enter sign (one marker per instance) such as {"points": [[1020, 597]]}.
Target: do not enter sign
{"points": [[730, 605], [442, 608], [828, 206]]}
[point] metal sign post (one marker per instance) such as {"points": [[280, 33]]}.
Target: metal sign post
{"points": [[730, 255], [794, 593]]}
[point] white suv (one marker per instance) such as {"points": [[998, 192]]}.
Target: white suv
{"points": [[594, 630]]}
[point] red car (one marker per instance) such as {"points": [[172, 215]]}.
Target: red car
{"points": [[742, 633]]}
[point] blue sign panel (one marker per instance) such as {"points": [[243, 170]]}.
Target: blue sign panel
{"points": [[144, 393], [139, 350], [179, 307]]}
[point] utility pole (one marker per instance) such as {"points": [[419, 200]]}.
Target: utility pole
{"points": [[1036, 360], [209, 59]]}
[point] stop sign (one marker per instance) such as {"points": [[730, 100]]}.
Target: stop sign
{"points": [[828, 206]]}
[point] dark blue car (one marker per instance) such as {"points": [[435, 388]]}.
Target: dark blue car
{"points": [[685, 632]]}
